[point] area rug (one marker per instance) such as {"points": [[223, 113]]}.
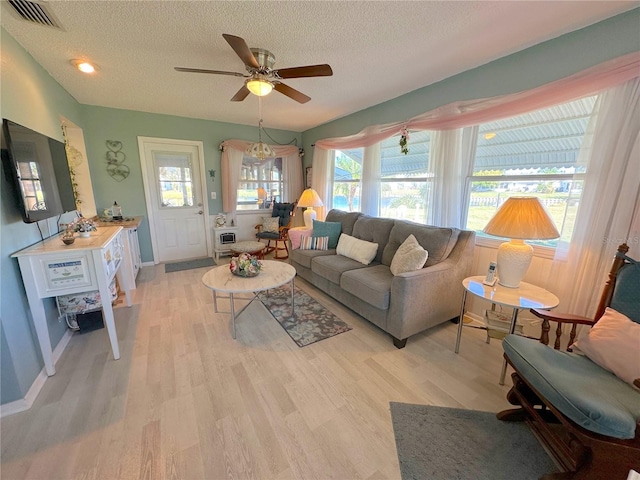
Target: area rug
{"points": [[438, 443], [311, 321], [189, 264]]}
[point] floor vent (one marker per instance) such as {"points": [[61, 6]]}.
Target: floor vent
{"points": [[34, 12]]}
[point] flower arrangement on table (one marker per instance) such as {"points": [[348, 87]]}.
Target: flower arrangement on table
{"points": [[404, 137], [81, 225], [245, 265]]}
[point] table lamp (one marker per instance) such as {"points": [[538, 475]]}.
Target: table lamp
{"points": [[519, 218], [309, 199]]}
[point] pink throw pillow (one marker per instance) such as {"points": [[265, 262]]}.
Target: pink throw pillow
{"points": [[614, 344]]}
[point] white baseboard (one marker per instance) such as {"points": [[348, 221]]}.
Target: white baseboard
{"points": [[25, 403], [147, 264]]}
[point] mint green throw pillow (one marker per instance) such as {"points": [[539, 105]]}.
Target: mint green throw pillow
{"points": [[327, 229]]}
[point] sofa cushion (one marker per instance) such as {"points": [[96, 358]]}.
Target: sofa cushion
{"points": [[409, 257], [332, 267], [356, 249], [305, 257], [314, 243], [593, 398], [371, 285], [347, 219], [376, 230], [614, 344], [327, 229], [438, 241]]}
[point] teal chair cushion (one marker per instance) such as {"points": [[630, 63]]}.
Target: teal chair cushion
{"points": [[626, 298], [587, 394], [283, 212]]}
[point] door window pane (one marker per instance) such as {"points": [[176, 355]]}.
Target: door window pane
{"points": [[175, 179]]}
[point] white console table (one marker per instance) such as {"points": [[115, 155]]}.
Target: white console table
{"points": [[51, 268]]}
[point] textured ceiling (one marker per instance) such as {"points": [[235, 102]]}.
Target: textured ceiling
{"points": [[378, 50]]}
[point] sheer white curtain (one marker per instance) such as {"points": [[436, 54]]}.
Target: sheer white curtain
{"points": [[230, 166], [371, 173], [450, 162], [292, 174], [608, 211], [321, 178]]}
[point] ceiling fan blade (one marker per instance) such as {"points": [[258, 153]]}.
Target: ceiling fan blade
{"points": [[291, 93], [323, 70], [242, 50], [241, 94], [215, 72]]}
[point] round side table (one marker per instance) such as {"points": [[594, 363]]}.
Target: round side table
{"points": [[525, 296]]}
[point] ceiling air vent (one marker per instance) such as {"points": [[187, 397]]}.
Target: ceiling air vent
{"points": [[34, 12]]}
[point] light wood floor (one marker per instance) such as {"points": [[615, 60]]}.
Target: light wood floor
{"points": [[187, 401]]}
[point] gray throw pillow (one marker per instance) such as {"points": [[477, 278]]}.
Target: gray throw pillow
{"points": [[410, 256], [271, 224]]}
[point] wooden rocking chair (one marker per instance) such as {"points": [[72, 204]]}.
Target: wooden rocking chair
{"points": [[285, 212], [578, 449]]}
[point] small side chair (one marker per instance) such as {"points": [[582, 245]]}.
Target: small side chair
{"points": [[285, 213]]}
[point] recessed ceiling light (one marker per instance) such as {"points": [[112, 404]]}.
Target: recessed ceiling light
{"points": [[489, 136], [84, 66]]}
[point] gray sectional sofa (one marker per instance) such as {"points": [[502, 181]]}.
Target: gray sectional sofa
{"points": [[401, 305]]}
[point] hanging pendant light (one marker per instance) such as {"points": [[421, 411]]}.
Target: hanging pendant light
{"points": [[260, 150]]}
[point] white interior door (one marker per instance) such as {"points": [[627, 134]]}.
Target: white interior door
{"points": [[173, 188]]}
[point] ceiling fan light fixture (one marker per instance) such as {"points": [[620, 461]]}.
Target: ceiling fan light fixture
{"points": [[259, 86]]}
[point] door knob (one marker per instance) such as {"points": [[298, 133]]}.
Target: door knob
{"points": [[199, 212]]}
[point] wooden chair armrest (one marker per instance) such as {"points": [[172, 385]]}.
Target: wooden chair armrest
{"points": [[561, 317], [284, 232], [636, 382], [258, 227]]}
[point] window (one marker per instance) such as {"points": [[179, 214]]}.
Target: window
{"points": [[405, 181], [175, 180], [403, 184], [534, 154], [261, 183], [347, 177]]}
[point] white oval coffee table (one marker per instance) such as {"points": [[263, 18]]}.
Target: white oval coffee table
{"points": [[273, 274]]}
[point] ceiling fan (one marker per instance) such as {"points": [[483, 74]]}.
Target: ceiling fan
{"points": [[261, 77]]}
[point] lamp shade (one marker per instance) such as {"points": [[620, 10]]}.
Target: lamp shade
{"points": [[310, 198], [519, 218], [523, 218]]}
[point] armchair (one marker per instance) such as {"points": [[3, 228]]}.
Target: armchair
{"points": [[285, 213], [586, 417]]}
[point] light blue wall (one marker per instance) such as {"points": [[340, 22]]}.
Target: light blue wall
{"points": [[543, 63], [102, 124], [30, 97]]}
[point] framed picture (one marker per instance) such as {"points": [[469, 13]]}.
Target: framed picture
{"points": [[309, 172]]}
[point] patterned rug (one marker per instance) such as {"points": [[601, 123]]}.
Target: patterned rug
{"points": [[311, 322]]}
